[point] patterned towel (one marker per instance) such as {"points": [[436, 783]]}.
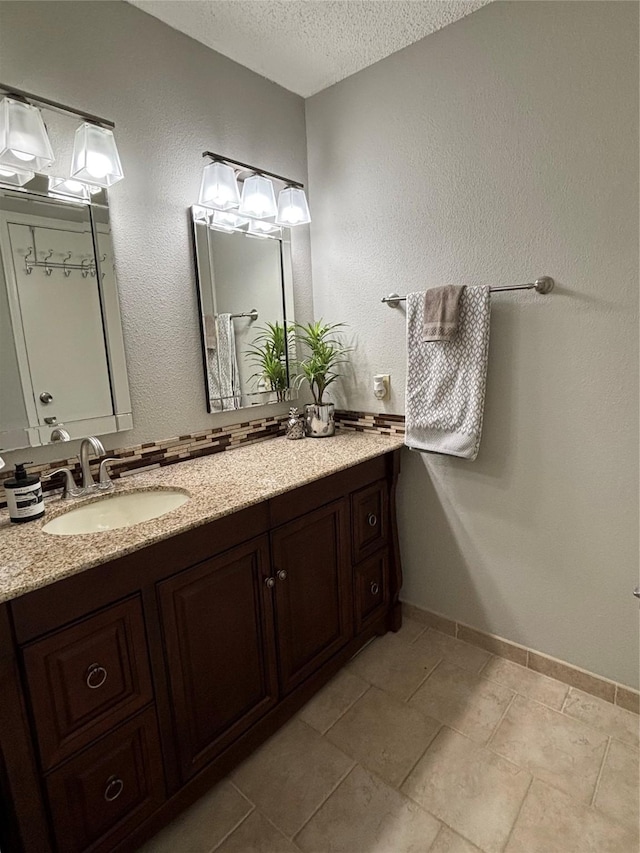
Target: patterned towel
{"points": [[446, 379]]}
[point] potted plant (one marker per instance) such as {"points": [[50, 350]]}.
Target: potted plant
{"points": [[270, 352], [324, 352]]}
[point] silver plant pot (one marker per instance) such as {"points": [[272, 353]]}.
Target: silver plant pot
{"points": [[320, 420]]}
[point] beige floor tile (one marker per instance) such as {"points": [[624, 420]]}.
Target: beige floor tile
{"points": [[618, 793], [552, 822], [449, 841], [470, 788], [608, 718], [332, 701], [255, 835], [455, 651], [411, 629], [392, 665], [204, 825], [568, 674], [463, 700], [532, 684], [554, 747], [364, 815], [384, 735], [291, 774]]}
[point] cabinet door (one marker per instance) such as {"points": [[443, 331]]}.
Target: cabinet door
{"points": [[217, 621], [312, 591]]}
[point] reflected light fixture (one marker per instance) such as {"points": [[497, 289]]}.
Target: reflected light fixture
{"points": [[15, 177], [292, 207], [258, 198], [24, 143], [70, 187], [95, 157], [219, 187], [227, 221], [259, 228]]}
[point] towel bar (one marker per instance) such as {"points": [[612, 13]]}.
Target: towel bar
{"points": [[544, 284]]}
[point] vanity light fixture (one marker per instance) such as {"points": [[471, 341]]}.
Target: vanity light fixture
{"points": [[219, 187], [292, 207], [95, 157], [24, 143], [227, 221], [25, 146], [260, 228], [258, 200]]}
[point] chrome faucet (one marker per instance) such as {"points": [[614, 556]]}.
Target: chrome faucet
{"points": [[88, 444], [89, 485]]}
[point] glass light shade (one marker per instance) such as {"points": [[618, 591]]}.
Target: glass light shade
{"points": [[227, 221], [258, 198], [259, 228], [69, 187], [95, 157], [219, 187], [14, 177], [292, 207], [23, 137]]}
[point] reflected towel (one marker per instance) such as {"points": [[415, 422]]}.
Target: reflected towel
{"points": [[441, 311], [446, 379], [229, 375], [210, 331]]}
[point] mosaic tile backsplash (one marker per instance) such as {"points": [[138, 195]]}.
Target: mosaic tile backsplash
{"points": [[156, 454]]}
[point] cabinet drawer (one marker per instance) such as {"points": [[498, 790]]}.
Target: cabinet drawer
{"points": [[369, 519], [99, 796], [371, 594], [86, 678]]}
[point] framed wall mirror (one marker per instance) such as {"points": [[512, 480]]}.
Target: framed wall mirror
{"points": [[62, 362], [245, 293]]}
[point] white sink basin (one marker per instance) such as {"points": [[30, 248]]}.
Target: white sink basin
{"points": [[114, 511]]}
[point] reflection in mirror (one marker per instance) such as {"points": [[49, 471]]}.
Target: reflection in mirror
{"points": [[62, 366], [246, 309]]}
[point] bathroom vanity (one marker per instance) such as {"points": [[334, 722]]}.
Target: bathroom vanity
{"points": [[131, 686]]}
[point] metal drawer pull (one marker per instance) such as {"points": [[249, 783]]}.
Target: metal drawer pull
{"points": [[96, 676], [115, 787], [372, 520], [375, 588], [270, 582], [282, 575]]}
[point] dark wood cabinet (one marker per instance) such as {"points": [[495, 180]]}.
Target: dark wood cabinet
{"points": [[218, 627], [131, 688], [312, 575]]}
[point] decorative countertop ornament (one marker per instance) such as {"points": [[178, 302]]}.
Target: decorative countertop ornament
{"points": [[295, 424]]}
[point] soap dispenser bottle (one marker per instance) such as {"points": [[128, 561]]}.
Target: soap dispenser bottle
{"points": [[24, 496]]}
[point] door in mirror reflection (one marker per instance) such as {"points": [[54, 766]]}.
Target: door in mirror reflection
{"points": [[246, 307]]}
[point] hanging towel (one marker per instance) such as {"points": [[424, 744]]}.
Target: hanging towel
{"points": [[441, 311], [446, 380], [229, 375]]}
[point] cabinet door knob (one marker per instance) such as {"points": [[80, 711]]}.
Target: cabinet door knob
{"points": [[96, 676], [372, 520], [270, 582], [636, 592], [282, 575], [46, 398], [114, 788], [375, 588]]}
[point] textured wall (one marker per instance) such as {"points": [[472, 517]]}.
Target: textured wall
{"points": [[171, 99], [501, 148]]}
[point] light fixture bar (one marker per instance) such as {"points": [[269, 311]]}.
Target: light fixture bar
{"points": [[37, 100], [255, 169]]}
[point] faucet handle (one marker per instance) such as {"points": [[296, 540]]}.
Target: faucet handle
{"points": [[69, 490], [105, 481]]}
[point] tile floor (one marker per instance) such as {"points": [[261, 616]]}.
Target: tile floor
{"points": [[425, 744]]}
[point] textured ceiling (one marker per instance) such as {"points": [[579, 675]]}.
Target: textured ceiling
{"points": [[307, 45]]}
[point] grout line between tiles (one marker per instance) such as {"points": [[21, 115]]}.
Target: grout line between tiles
{"points": [[346, 710], [419, 758], [237, 826], [503, 715], [565, 700], [427, 676], [513, 825], [331, 792], [597, 785]]}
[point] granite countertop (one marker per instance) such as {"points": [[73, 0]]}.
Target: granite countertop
{"points": [[218, 485]]}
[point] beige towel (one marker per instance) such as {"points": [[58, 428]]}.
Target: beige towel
{"points": [[441, 307]]}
